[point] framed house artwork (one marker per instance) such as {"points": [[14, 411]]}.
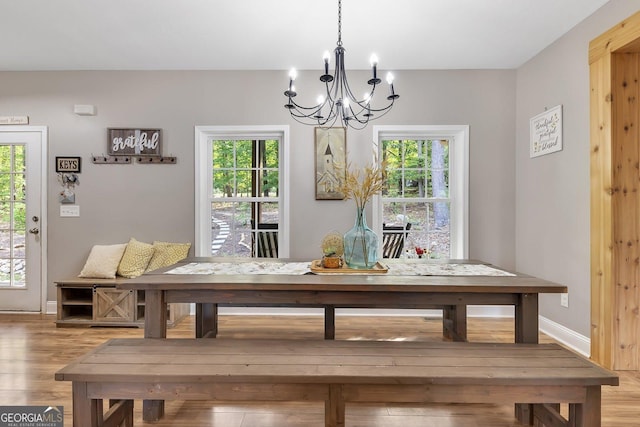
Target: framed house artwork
{"points": [[330, 162]]}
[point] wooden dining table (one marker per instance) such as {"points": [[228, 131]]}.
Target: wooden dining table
{"points": [[450, 293]]}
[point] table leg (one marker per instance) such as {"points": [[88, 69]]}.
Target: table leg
{"points": [[206, 320], [526, 331], [155, 314], [86, 412], [526, 321], [454, 322], [155, 326], [329, 322]]}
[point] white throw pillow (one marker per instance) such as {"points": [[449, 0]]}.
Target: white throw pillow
{"points": [[103, 261]]}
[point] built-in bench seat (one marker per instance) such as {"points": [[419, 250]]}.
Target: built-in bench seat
{"points": [[336, 372]]}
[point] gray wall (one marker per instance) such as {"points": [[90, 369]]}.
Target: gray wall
{"points": [[156, 202], [552, 197], [542, 229]]}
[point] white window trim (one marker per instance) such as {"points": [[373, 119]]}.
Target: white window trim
{"points": [[458, 177], [203, 184]]}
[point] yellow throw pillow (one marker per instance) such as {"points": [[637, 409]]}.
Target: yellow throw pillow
{"points": [[103, 261], [135, 259], [167, 253]]}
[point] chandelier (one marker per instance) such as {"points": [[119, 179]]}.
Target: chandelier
{"points": [[339, 102]]}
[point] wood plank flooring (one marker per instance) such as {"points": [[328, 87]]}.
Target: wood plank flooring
{"points": [[32, 349]]}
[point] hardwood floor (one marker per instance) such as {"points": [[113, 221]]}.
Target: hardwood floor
{"points": [[33, 349]]}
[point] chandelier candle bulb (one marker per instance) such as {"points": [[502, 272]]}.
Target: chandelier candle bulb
{"points": [[392, 94], [320, 101], [326, 57], [374, 66], [292, 90]]}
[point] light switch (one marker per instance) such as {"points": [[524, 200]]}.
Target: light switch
{"points": [[69, 210], [564, 300]]}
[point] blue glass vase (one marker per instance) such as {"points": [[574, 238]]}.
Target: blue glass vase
{"points": [[360, 244]]}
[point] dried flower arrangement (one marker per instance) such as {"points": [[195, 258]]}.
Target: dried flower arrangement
{"points": [[362, 184]]}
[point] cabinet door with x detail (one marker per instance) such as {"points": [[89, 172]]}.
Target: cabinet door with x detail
{"points": [[113, 305]]}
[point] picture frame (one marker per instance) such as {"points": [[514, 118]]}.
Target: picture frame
{"points": [[66, 164], [330, 162], [545, 132], [134, 142]]}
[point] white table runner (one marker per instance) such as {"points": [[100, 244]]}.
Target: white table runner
{"points": [[396, 269]]}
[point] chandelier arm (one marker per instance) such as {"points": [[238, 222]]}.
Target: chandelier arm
{"points": [[383, 112], [313, 116], [387, 108], [365, 107], [363, 104], [332, 93]]}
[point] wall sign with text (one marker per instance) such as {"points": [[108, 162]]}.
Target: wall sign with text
{"points": [[134, 142], [68, 164], [546, 132]]}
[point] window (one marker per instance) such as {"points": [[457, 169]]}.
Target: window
{"points": [[240, 194], [426, 186], [12, 215]]}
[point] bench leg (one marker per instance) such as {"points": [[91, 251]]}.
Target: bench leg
{"points": [[587, 414], [524, 413], [152, 410], [86, 412], [548, 414], [120, 414], [334, 407], [329, 322], [206, 320]]}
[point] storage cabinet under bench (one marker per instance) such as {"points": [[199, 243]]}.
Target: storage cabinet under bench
{"points": [[97, 302]]}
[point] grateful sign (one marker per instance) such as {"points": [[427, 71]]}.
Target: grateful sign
{"points": [[134, 142]]}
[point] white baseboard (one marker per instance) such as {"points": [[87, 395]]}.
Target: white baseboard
{"points": [[51, 308], [568, 337], [472, 311]]}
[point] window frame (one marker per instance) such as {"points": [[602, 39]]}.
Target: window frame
{"points": [[458, 137], [204, 187]]}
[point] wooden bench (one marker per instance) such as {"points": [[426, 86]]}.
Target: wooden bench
{"points": [[336, 372]]}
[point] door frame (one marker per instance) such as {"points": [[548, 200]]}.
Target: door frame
{"points": [[611, 305], [44, 138]]}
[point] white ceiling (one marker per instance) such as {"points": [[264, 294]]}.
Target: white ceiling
{"points": [[279, 34]]}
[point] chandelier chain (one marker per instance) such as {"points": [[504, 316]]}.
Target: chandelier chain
{"points": [[339, 23]]}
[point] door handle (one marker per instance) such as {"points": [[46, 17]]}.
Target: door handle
{"points": [[34, 231]]}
